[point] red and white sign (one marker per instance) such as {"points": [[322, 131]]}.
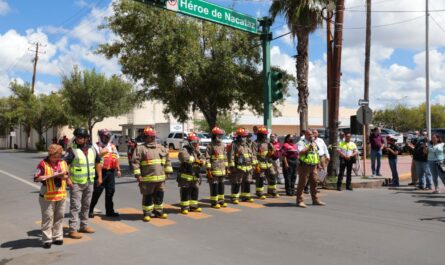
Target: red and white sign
{"points": [[172, 5]]}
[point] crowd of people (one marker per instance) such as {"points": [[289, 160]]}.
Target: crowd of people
{"points": [[89, 169]]}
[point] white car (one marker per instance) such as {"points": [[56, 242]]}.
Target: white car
{"points": [[176, 140], [204, 140], [385, 132]]}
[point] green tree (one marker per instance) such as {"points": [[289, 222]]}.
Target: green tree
{"points": [[303, 17], [90, 97], [185, 63], [49, 112], [225, 121]]}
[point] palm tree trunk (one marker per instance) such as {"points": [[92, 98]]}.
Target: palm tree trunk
{"points": [[302, 66]]}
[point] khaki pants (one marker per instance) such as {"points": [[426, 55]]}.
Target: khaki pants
{"points": [[52, 219], [307, 173], [414, 177], [80, 199]]}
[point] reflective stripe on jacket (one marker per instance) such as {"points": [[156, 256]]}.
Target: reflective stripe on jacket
{"points": [[54, 193], [82, 168]]}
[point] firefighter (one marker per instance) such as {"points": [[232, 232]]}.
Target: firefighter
{"points": [[240, 158], [151, 167], [191, 160], [264, 169], [110, 165], [216, 163]]}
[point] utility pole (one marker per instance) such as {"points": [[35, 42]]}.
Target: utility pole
{"points": [[329, 40], [36, 58], [427, 71], [335, 93], [367, 70]]}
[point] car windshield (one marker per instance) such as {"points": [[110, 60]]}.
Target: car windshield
{"points": [[389, 131], [200, 135]]}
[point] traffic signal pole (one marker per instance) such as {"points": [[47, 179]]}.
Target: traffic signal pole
{"points": [[266, 37]]}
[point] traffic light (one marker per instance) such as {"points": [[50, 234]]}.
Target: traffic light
{"points": [[277, 86]]}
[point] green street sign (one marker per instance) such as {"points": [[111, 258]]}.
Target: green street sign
{"points": [[210, 12]]}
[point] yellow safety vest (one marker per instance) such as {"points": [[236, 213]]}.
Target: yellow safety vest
{"points": [[82, 169], [54, 193], [311, 157]]}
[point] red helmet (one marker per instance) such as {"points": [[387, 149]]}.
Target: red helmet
{"points": [[148, 131], [104, 132], [262, 130], [241, 132], [217, 131], [193, 138]]}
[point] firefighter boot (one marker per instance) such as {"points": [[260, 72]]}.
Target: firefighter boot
{"points": [[194, 193], [235, 193], [221, 199]]}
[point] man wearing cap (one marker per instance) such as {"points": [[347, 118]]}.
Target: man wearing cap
{"points": [[393, 151], [84, 163], [347, 151], [110, 165], [151, 167]]}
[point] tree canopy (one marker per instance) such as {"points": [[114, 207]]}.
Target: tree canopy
{"points": [[185, 63]]}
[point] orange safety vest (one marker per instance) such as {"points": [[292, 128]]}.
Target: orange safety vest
{"points": [[54, 193], [109, 160]]}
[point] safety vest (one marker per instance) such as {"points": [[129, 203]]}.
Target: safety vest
{"points": [[110, 160], [82, 169], [311, 157], [54, 193], [347, 148]]}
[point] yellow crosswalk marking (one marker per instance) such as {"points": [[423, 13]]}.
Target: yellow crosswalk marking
{"points": [[251, 205], [113, 225], [193, 215], [133, 213]]}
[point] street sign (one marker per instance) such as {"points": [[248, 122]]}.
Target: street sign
{"points": [[210, 12], [215, 13], [363, 102], [364, 115]]}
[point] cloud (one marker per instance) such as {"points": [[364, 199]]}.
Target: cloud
{"points": [[4, 7]]}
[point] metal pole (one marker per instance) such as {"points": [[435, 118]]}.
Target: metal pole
{"points": [[266, 37], [364, 144], [427, 71]]}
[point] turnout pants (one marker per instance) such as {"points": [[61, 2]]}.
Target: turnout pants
{"points": [[216, 189], [271, 177], [189, 192], [109, 186], [240, 181], [152, 197]]}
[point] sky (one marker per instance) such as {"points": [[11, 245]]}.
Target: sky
{"points": [[68, 33]]}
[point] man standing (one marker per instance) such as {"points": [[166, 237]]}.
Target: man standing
{"points": [[216, 164], [83, 163], [308, 169], [323, 152], [411, 143], [110, 164], [347, 152], [393, 151], [151, 167], [240, 158], [276, 157], [376, 141]]}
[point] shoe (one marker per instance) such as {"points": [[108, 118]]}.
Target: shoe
{"points": [[288, 194], [262, 197], [58, 242], [235, 201], [146, 218], [185, 211], [195, 210], [91, 215], [319, 203], [46, 245], [216, 206], [74, 235], [435, 192], [250, 200], [420, 188], [350, 188], [429, 188], [113, 214], [339, 188], [275, 195], [224, 204], [87, 230], [411, 184], [379, 175], [301, 205]]}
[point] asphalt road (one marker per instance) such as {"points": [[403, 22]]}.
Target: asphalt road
{"points": [[378, 226]]}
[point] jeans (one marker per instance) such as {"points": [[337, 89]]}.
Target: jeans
{"points": [[423, 171], [395, 175], [108, 183], [375, 154], [345, 164], [434, 169], [290, 175]]}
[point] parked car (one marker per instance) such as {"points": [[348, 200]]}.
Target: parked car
{"points": [[175, 140], [385, 132], [204, 140]]}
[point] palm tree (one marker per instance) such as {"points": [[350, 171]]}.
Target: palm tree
{"points": [[302, 17]]}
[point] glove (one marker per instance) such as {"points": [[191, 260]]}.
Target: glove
{"points": [[209, 173], [257, 169]]}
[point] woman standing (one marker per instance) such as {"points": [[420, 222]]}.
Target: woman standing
{"points": [[290, 159], [436, 155]]}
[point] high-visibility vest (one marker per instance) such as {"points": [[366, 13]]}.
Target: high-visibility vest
{"points": [[82, 169], [347, 147], [311, 157], [110, 160], [54, 193]]}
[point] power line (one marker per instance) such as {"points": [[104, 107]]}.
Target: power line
{"points": [[390, 24], [437, 23], [394, 11]]}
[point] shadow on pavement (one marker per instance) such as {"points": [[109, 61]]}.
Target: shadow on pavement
{"points": [[432, 203], [277, 204], [34, 242], [442, 219]]}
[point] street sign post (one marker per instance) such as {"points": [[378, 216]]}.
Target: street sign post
{"points": [[364, 116]]}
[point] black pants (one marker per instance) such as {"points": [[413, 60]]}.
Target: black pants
{"points": [[290, 175], [108, 183], [345, 164]]}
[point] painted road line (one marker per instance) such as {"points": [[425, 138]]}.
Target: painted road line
{"points": [[251, 205], [113, 225], [32, 184], [275, 200], [132, 213], [206, 204], [193, 215]]}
